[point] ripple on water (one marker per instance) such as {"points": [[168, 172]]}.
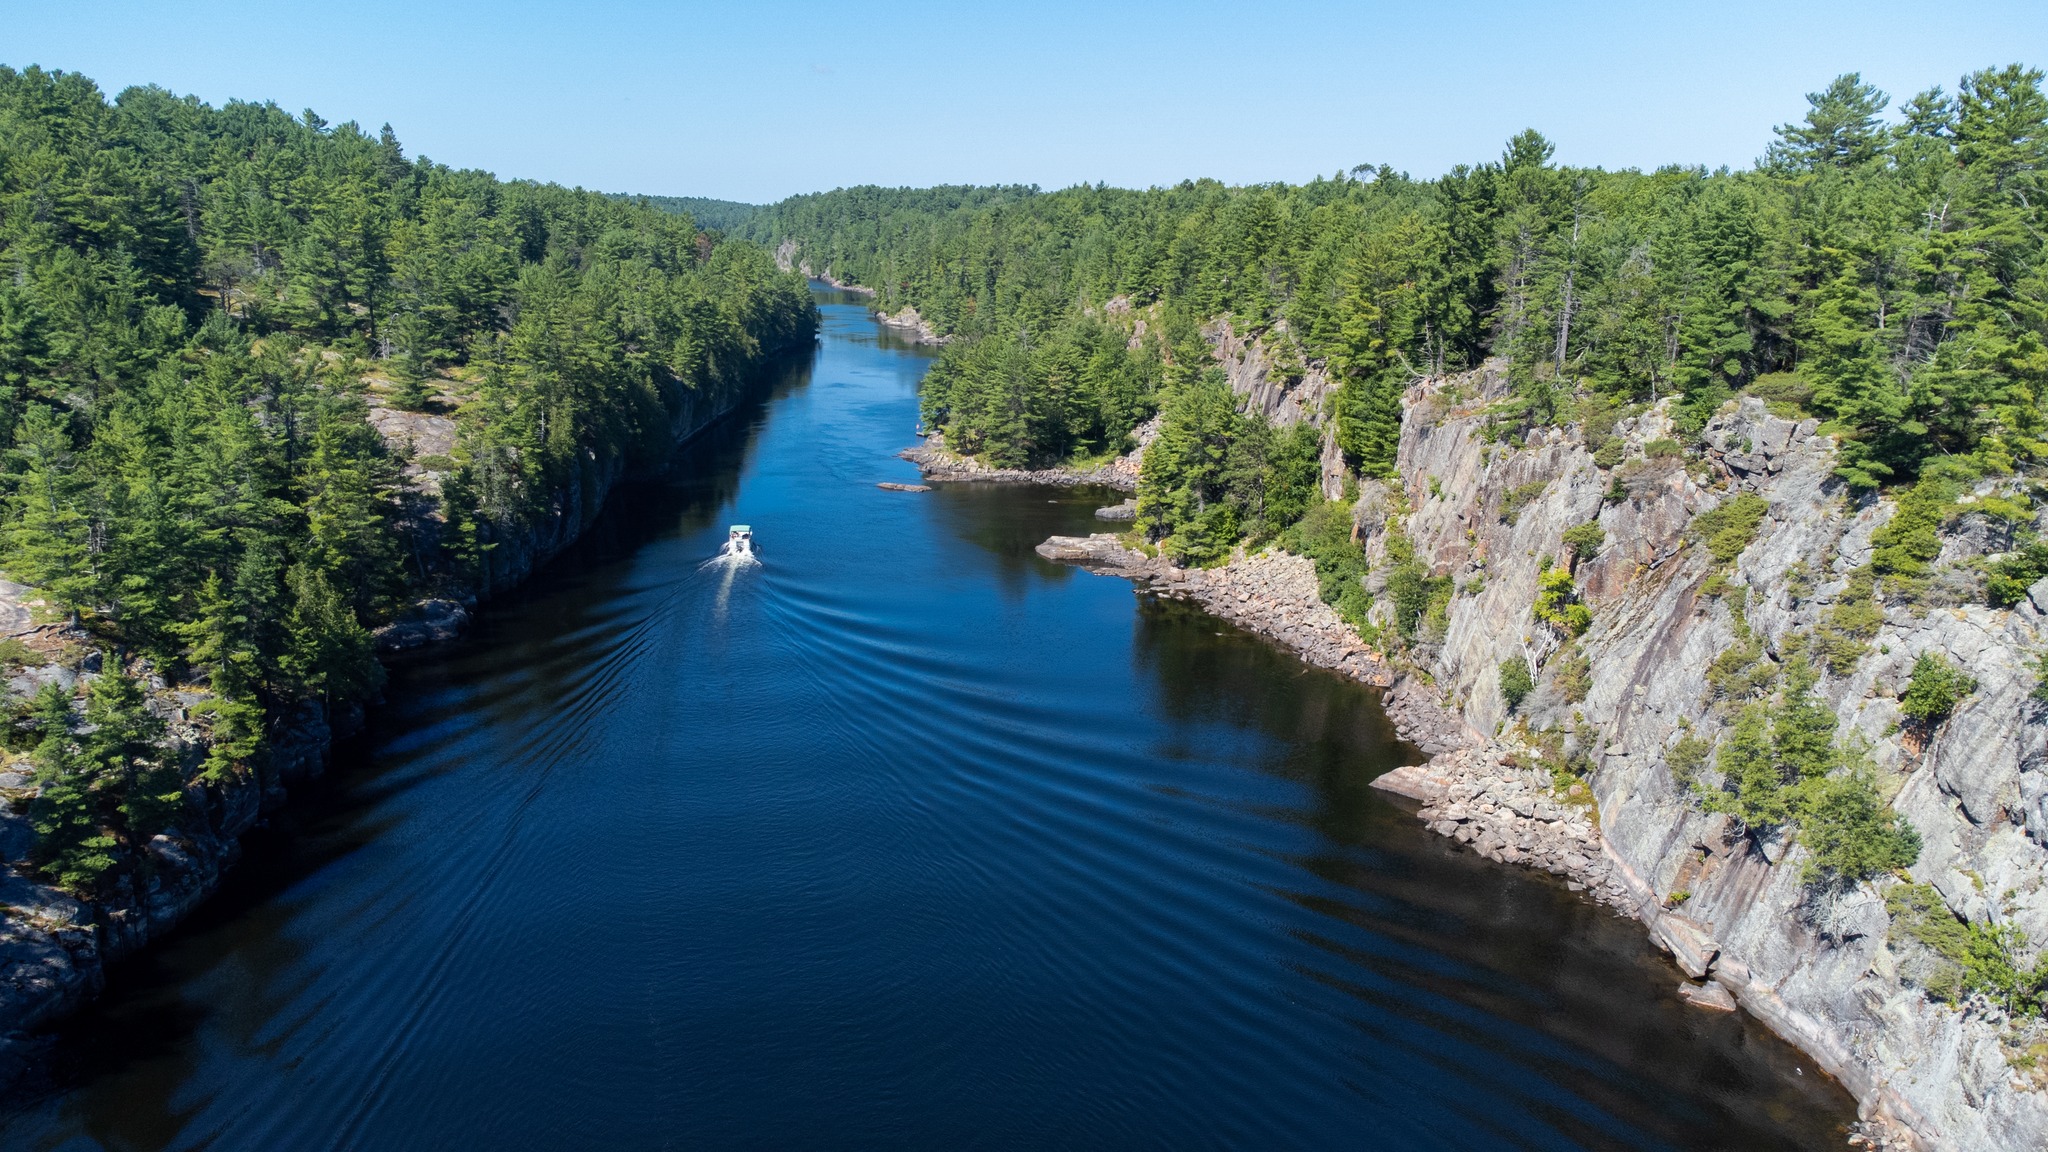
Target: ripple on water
{"points": [[903, 838]]}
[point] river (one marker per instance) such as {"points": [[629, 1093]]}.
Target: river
{"points": [[903, 839]]}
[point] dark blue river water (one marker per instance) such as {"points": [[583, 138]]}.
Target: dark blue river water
{"points": [[904, 839]]}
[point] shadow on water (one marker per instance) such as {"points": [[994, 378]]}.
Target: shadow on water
{"points": [[906, 839], [139, 1033], [1459, 946], [1009, 522]]}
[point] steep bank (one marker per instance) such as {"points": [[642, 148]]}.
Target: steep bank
{"points": [[54, 947], [906, 321], [1824, 965]]}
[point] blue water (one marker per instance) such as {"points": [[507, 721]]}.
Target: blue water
{"points": [[903, 839]]}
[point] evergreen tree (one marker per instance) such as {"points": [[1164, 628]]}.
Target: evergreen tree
{"points": [[1841, 127]]}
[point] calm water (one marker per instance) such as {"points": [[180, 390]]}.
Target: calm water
{"points": [[904, 839]]}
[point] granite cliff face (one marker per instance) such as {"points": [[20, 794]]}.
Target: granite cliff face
{"points": [[1824, 967]]}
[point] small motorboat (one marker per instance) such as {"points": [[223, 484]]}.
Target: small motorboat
{"points": [[739, 540]]}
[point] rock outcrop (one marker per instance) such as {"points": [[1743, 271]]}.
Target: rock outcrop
{"points": [[1822, 965], [938, 462]]}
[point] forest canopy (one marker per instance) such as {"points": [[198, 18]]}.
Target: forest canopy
{"points": [[200, 310], [1882, 273]]}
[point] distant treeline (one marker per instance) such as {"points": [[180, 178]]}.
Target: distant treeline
{"points": [[710, 215], [1888, 276], [198, 306]]}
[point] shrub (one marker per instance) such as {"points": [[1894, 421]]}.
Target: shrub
{"points": [[1752, 785], [1845, 633], [1557, 603], [1520, 497], [1611, 452], [1418, 597], [1780, 766], [1934, 690], [1787, 395], [1853, 834], [1730, 526], [14, 653], [1687, 757], [1584, 540], [1324, 536], [2009, 579], [1901, 550], [1515, 681], [1663, 449], [1979, 959], [1572, 672], [1741, 671]]}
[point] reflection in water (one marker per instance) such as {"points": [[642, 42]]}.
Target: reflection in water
{"points": [[918, 842]]}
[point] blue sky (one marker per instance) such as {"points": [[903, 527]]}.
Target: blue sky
{"points": [[757, 101]]}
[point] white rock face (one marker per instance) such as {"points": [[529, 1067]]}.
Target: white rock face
{"points": [[1818, 970]]}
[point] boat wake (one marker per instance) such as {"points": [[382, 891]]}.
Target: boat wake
{"points": [[736, 554], [733, 556]]}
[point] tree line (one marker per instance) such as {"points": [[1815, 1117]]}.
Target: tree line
{"points": [[1885, 275], [198, 308]]}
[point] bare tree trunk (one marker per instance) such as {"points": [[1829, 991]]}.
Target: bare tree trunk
{"points": [[1564, 313]]}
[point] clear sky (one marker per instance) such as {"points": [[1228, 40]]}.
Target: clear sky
{"points": [[759, 100]]}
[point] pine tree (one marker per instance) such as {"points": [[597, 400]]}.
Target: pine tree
{"points": [[48, 540], [72, 845], [218, 643], [124, 750], [1841, 127]]}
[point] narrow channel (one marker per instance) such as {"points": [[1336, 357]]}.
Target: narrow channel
{"points": [[903, 839]]}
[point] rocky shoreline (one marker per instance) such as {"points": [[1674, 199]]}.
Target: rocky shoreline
{"points": [[1480, 793], [1275, 595], [937, 462]]}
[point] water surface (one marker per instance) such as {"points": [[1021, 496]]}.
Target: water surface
{"points": [[903, 839]]}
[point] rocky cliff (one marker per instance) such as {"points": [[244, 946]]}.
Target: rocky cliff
{"points": [[1822, 964], [1578, 778]]}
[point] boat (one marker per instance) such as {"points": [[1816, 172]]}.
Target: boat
{"points": [[739, 540]]}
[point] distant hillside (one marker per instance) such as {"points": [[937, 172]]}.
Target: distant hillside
{"points": [[712, 215]]}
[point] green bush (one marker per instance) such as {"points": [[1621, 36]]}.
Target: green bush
{"points": [[1687, 757], [1611, 453], [2008, 580], [1572, 672], [1901, 551], [1780, 766], [1844, 634], [1730, 526], [1934, 690], [1515, 681], [1980, 959], [1663, 449], [1520, 497], [1584, 540], [1324, 536], [1851, 831], [1787, 395], [1420, 600], [1558, 604], [15, 654]]}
